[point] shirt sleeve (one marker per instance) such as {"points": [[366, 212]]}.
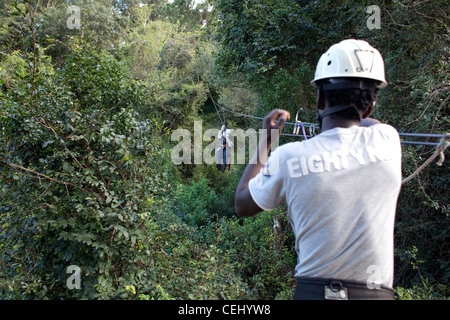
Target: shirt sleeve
{"points": [[267, 188]]}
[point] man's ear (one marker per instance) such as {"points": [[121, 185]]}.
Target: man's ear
{"points": [[366, 114], [320, 98]]}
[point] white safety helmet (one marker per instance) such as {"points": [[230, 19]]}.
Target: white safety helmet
{"points": [[351, 59]]}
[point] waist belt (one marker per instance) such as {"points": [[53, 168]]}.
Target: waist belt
{"points": [[333, 289]]}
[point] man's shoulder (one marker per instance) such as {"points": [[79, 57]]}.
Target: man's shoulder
{"points": [[385, 130], [383, 127]]}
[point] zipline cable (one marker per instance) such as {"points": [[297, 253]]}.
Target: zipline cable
{"points": [[315, 126], [307, 124], [424, 135], [217, 110], [431, 144]]}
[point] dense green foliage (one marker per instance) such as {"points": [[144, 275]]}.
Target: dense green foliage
{"points": [[86, 116]]}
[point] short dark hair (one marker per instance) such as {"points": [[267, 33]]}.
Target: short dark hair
{"points": [[359, 98]]}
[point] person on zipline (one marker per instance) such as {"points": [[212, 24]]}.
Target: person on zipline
{"points": [[341, 187], [223, 151]]}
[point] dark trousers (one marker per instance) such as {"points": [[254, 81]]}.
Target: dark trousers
{"points": [[331, 289]]}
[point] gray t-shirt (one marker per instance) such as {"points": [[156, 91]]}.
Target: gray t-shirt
{"points": [[341, 188]]}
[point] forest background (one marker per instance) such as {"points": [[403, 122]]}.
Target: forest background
{"points": [[91, 94]]}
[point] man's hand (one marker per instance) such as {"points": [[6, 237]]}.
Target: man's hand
{"points": [[243, 201], [270, 121]]}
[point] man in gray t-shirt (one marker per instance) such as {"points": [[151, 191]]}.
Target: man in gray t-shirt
{"points": [[341, 187]]}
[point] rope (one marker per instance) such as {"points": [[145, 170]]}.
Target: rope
{"points": [[425, 135], [432, 144], [217, 110], [443, 144]]}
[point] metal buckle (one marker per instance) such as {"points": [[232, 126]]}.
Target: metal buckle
{"points": [[335, 291]]}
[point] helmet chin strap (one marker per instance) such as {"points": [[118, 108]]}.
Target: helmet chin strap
{"points": [[333, 110]]}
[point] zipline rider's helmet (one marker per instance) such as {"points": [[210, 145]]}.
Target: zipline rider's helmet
{"points": [[348, 65]]}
